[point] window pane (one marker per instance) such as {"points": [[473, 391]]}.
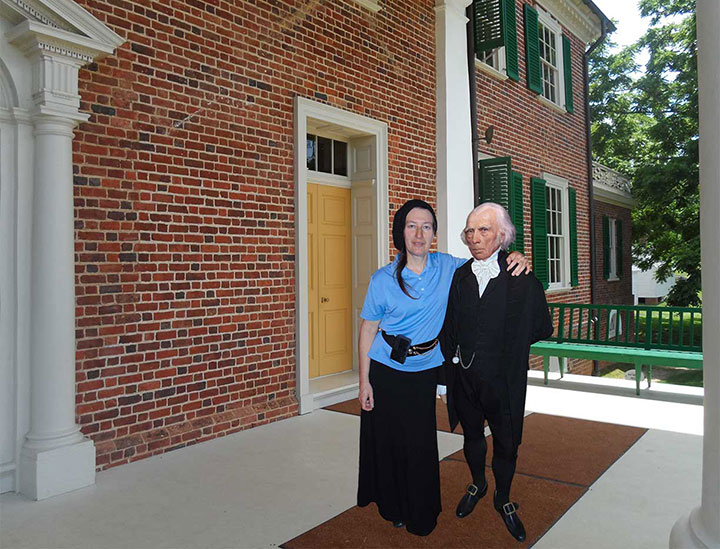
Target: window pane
{"points": [[324, 155], [490, 57], [311, 152], [340, 157]]}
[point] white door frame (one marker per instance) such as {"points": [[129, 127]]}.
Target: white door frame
{"points": [[304, 109]]}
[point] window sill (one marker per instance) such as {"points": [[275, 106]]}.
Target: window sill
{"points": [[558, 290], [550, 104], [613, 279], [500, 75]]}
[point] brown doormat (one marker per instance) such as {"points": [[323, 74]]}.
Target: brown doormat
{"points": [[566, 449], [558, 460], [353, 407]]}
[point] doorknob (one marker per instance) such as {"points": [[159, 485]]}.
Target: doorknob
{"points": [[324, 299]]}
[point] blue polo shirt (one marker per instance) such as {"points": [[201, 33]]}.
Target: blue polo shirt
{"points": [[418, 319]]}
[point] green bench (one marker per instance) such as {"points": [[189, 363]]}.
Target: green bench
{"points": [[634, 334]]}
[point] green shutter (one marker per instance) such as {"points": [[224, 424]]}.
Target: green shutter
{"points": [[567, 72], [532, 50], [572, 213], [619, 251], [488, 24], [516, 212], [606, 246], [510, 31], [539, 230], [495, 181]]}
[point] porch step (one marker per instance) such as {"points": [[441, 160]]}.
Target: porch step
{"points": [[335, 395]]}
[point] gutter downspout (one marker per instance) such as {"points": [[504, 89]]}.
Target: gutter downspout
{"points": [[473, 100], [586, 85]]}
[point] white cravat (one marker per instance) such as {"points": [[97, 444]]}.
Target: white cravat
{"points": [[485, 269]]}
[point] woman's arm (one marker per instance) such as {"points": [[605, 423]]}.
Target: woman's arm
{"points": [[368, 331]]}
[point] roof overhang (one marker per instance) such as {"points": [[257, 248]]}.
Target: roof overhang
{"points": [[581, 17]]}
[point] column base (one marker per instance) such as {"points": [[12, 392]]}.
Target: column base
{"points": [[47, 473], [688, 532]]}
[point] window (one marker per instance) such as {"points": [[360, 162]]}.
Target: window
{"points": [[495, 59], [554, 232], [327, 155], [555, 235], [548, 62], [494, 24], [612, 248], [548, 58]]}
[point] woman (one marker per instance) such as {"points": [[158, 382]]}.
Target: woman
{"points": [[398, 440]]}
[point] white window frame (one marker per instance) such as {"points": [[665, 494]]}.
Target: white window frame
{"points": [[547, 20], [498, 54], [612, 244], [561, 184], [330, 178]]}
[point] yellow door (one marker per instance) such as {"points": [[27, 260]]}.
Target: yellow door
{"points": [[330, 291]]}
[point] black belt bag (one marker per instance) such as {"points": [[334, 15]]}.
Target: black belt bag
{"points": [[402, 348]]}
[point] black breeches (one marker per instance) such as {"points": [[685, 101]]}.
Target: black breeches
{"points": [[472, 418]]}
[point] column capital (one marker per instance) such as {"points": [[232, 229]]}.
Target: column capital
{"points": [[56, 56], [455, 6]]}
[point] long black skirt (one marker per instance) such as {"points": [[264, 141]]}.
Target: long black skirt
{"points": [[399, 468]]}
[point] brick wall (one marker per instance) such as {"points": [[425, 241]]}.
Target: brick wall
{"points": [[184, 201], [540, 139]]}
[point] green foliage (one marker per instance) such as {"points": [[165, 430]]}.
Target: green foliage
{"points": [[647, 128]]}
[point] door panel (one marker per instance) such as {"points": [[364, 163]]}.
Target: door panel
{"points": [[330, 291]]}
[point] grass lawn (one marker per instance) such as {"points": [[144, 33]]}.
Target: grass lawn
{"points": [[675, 376]]}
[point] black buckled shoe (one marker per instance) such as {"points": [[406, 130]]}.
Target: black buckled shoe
{"points": [[398, 524], [470, 499], [508, 512]]}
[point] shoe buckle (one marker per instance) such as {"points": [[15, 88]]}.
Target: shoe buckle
{"points": [[509, 508], [472, 489]]}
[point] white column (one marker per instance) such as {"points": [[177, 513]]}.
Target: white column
{"points": [[701, 526], [454, 137], [55, 456]]}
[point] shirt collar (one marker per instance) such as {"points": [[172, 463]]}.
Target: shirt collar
{"points": [[490, 260]]}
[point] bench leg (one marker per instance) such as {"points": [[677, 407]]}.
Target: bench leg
{"points": [[638, 375], [561, 363], [546, 367], [649, 374]]}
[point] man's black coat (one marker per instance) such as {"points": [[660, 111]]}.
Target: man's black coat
{"points": [[498, 331]]}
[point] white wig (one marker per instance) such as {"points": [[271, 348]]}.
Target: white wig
{"points": [[506, 229]]}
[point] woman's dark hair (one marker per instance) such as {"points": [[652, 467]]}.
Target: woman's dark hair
{"points": [[398, 233]]}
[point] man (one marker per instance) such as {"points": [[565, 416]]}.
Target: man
{"points": [[491, 321]]}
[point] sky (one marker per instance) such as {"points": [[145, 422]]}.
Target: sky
{"points": [[630, 26]]}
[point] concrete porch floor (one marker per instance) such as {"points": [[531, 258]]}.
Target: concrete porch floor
{"points": [[262, 487]]}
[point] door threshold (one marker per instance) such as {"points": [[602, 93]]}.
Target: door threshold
{"points": [[334, 388]]}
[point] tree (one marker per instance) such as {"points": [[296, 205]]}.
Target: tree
{"points": [[647, 128]]}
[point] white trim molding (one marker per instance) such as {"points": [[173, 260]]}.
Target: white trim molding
{"points": [[359, 125], [576, 16]]}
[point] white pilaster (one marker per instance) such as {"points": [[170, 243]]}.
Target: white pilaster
{"points": [[55, 457], [454, 137], [701, 526]]}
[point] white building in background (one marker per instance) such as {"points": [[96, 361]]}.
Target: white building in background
{"points": [[645, 287]]}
